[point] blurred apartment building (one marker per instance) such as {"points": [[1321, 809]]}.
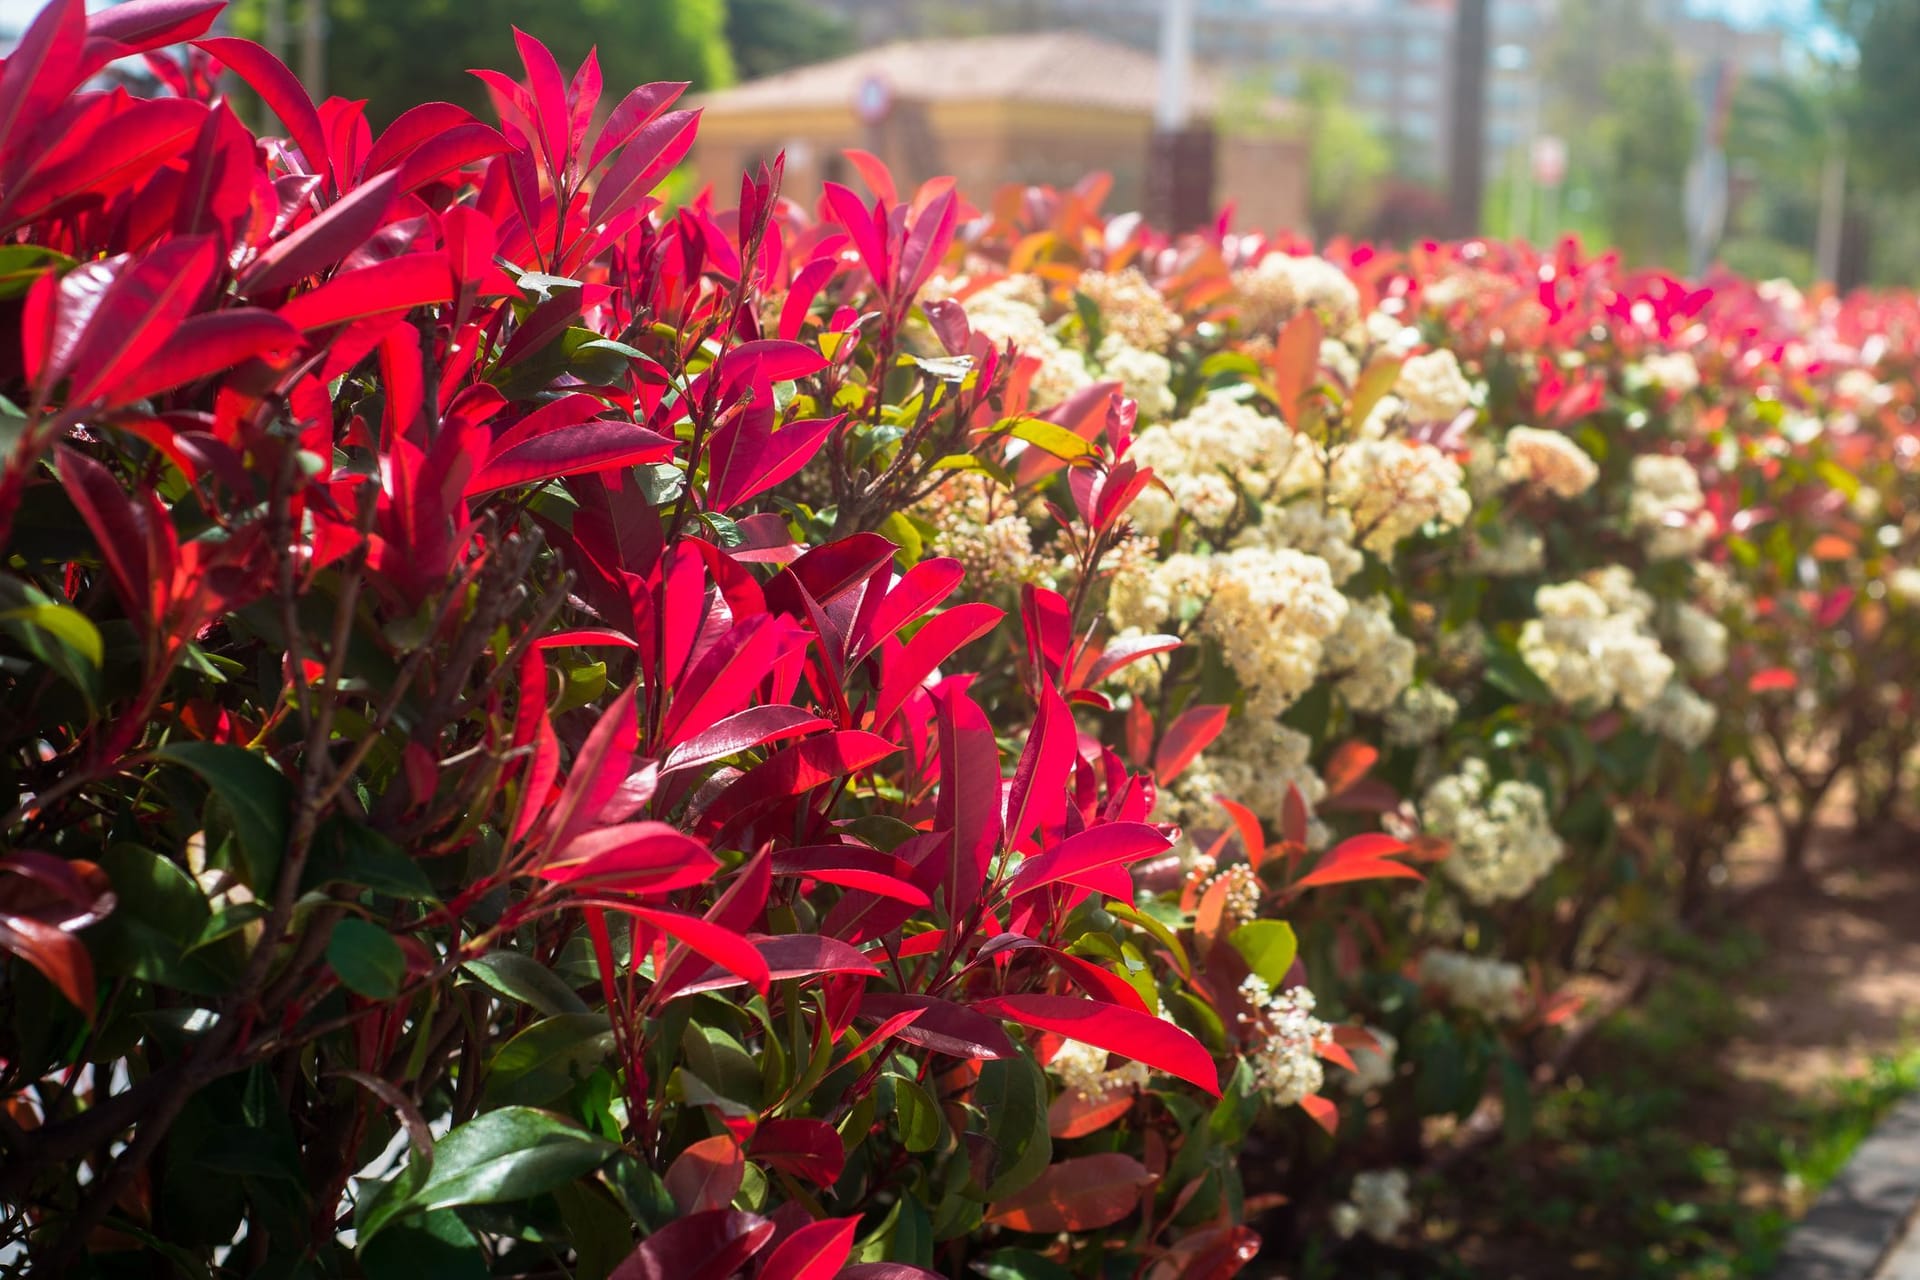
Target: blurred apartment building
{"points": [[1395, 56]]}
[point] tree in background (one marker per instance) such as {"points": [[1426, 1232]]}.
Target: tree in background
{"points": [[395, 53], [1348, 159], [771, 35], [1649, 142]]}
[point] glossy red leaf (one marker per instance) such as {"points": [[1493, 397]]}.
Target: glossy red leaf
{"points": [[600, 445], [920, 590], [41, 70], [1126, 650], [795, 770], [137, 309], [640, 107], [790, 956], [601, 765], [886, 1271], [746, 464], [1074, 1116], [700, 1246], [1084, 1193], [742, 731], [1252, 837], [800, 1146], [936, 641], [399, 284], [1186, 738], [203, 346], [1295, 362], [722, 946], [635, 857], [118, 527], [1110, 844], [868, 232], [942, 1026], [1037, 796], [137, 26], [1772, 680], [722, 680], [280, 89], [321, 243], [967, 810], [706, 1176], [653, 150], [1131, 1034], [1349, 870]]}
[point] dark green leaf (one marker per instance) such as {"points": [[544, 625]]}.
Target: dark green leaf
{"points": [[255, 796], [547, 1059], [367, 958], [526, 980]]}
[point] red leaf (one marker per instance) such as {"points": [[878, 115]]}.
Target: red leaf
{"points": [[1772, 679], [1352, 869], [1295, 361], [40, 71], [885, 1271], [723, 679], [112, 319], [1350, 762], [1186, 738], [868, 232], [202, 346], [794, 955], [636, 110], [636, 857], [1252, 837], [967, 811], [655, 149], [1324, 1113], [109, 146], [1140, 1036], [1074, 1116], [323, 242], [280, 89], [942, 1026], [814, 1252], [602, 764], [742, 731], [932, 645], [62, 958], [1037, 796], [118, 528], [794, 771], [399, 284], [1126, 651], [919, 591], [707, 1175], [722, 946], [1109, 844], [140, 25], [701, 1246], [745, 466], [1080, 1194], [1217, 1254], [600, 445], [802, 1147]]}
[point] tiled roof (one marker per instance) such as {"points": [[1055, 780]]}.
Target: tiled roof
{"points": [[1056, 67]]}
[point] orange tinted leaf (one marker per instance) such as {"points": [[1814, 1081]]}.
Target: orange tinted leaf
{"points": [[1074, 1115], [1350, 763], [1324, 1113], [1082, 1194]]}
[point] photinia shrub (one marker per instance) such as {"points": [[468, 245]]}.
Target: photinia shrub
{"points": [[543, 733]]}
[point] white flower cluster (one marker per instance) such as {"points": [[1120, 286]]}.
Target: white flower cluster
{"points": [[1432, 388], [1515, 553], [976, 523], [1206, 458], [1254, 762], [1502, 837], [1083, 1069], [1280, 286], [1699, 638], [1423, 713], [1373, 662], [1009, 312], [1672, 371], [1377, 1205], [1374, 1064], [1269, 611], [1548, 459], [1286, 1065], [1312, 529], [1145, 376], [1591, 645], [1680, 715], [1492, 988], [1393, 487], [1131, 309], [1666, 506]]}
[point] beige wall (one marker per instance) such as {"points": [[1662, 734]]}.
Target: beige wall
{"points": [[1265, 179], [985, 145]]}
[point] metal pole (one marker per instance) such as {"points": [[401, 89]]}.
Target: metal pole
{"points": [[313, 48], [1176, 65], [1467, 140]]}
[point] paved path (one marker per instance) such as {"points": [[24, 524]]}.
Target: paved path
{"points": [[1864, 1227]]}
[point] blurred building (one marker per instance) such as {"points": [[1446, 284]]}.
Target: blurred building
{"points": [[1396, 56], [990, 110]]}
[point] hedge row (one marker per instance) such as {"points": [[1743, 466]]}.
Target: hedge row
{"points": [[543, 735]]}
